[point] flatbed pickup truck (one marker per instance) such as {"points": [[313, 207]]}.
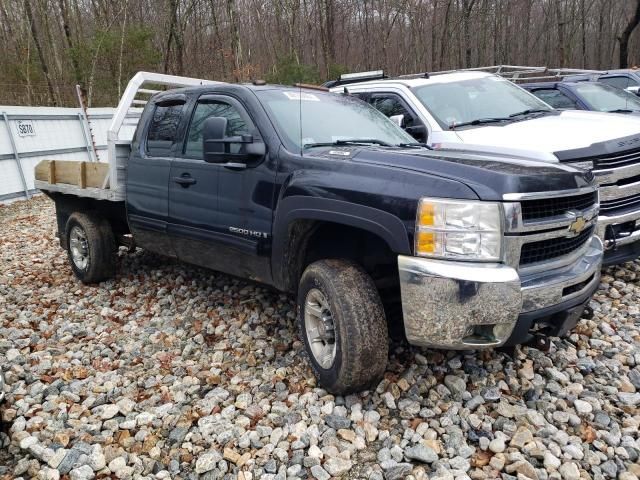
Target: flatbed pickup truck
{"points": [[320, 195]]}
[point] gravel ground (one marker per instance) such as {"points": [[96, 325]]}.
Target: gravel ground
{"points": [[171, 371]]}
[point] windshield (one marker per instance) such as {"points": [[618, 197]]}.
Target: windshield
{"points": [[328, 118], [463, 101], [604, 98]]}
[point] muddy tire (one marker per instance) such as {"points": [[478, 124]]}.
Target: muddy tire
{"points": [[91, 247], [343, 326]]}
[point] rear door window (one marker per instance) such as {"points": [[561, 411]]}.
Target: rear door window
{"points": [[555, 98], [163, 129]]}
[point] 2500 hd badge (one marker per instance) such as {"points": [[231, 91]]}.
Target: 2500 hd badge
{"points": [[248, 233]]}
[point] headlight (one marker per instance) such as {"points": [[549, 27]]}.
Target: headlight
{"points": [[464, 230]]}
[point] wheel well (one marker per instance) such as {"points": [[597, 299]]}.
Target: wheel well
{"points": [[113, 212], [314, 240]]}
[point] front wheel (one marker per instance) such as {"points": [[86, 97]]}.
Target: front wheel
{"points": [[91, 247], [343, 326]]}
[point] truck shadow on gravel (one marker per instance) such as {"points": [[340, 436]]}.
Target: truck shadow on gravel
{"points": [[149, 266]]}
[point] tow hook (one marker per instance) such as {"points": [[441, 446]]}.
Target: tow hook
{"points": [[539, 341], [587, 313]]}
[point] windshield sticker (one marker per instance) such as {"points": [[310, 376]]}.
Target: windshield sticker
{"points": [[340, 153], [301, 96]]}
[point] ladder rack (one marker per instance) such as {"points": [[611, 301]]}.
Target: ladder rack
{"points": [[520, 73]]}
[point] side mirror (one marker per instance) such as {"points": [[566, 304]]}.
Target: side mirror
{"points": [[398, 120], [419, 132], [634, 90], [217, 146], [213, 132]]}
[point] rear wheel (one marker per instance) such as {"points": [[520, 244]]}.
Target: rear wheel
{"points": [[343, 326], [91, 247]]}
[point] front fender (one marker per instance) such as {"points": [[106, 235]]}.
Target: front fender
{"points": [[299, 207]]}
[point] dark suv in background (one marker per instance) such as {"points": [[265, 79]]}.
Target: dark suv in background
{"points": [[624, 79], [593, 96]]}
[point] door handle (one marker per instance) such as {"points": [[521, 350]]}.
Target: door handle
{"points": [[234, 166], [185, 180]]}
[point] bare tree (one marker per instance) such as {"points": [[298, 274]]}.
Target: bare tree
{"points": [[623, 39], [50, 45]]}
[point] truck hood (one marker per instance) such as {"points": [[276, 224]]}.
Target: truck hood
{"points": [[489, 176], [568, 130]]}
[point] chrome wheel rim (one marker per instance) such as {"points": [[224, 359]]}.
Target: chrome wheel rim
{"points": [[320, 328], [79, 247]]}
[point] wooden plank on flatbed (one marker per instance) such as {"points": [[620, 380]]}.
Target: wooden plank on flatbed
{"points": [[69, 172], [96, 173]]}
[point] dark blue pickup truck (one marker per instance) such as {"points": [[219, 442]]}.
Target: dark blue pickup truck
{"points": [[320, 195]]}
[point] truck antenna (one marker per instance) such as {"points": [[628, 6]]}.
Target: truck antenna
{"points": [[300, 118]]}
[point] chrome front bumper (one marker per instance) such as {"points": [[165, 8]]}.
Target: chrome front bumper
{"points": [[610, 191], [463, 305], [604, 222]]}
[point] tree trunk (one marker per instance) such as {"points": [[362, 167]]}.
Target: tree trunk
{"points": [[67, 35], [445, 30], [468, 7], [561, 40], [43, 63], [172, 32], [623, 39], [236, 46]]}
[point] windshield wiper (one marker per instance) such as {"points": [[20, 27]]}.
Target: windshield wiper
{"points": [[415, 145], [353, 141], [480, 121], [529, 112], [621, 110]]}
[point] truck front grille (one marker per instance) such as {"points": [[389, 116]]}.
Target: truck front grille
{"points": [[553, 207], [545, 250], [619, 205], [616, 160]]}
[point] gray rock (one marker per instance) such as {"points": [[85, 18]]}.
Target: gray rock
{"points": [[85, 472], [178, 434], [96, 459], [207, 461], [569, 471], [69, 461], [631, 399], [319, 473], [398, 472], [337, 422], [609, 468], [337, 466], [421, 453], [455, 384], [582, 407], [497, 445]]}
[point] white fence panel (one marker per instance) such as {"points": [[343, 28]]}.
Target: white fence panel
{"points": [[50, 133]]}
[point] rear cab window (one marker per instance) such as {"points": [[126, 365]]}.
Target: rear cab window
{"points": [[163, 128], [555, 98]]}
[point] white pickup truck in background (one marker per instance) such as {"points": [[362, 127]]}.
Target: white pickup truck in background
{"points": [[482, 112]]}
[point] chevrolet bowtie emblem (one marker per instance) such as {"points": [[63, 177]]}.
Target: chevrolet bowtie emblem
{"points": [[577, 225]]}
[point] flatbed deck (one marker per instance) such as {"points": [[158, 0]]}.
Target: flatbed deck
{"points": [[83, 179]]}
